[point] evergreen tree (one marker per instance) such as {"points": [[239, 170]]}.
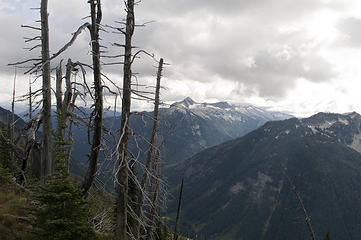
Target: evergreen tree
{"points": [[60, 211]]}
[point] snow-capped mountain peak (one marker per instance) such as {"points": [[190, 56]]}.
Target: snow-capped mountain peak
{"points": [[186, 103], [226, 111]]}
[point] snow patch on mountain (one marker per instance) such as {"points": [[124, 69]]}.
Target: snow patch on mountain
{"points": [[356, 143], [225, 111], [196, 130], [238, 187]]}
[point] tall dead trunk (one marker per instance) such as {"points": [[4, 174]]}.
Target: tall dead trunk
{"points": [[12, 130], [30, 102], [150, 151], [300, 203], [63, 110], [96, 16], [59, 100], [63, 101], [46, 156], [176, 229], [12, 123], [122, 175], [154, 190]]}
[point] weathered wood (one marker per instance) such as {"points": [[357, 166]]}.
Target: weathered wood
{"points": [[150, 151], [176, 229], [12, 124], [46, 156], [30, 102], [63, 109], [122, 175], [96, 17], [154, 190]]}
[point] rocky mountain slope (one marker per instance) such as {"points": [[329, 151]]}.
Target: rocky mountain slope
{"points": [[188, 127], [201, 125], [238, 190]]}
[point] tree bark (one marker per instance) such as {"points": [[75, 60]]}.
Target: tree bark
{"points": [[122, 175], [46, 156], [63, 104], [96, 16], [63, 110], [176, 229], [30, 102]]}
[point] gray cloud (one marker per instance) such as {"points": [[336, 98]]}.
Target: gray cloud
{"points": [[272, 10], [223, 49], [204, 40], [350, 27]]}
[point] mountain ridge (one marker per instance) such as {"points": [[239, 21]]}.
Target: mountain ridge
{"points": [[237, 190], [190, 127]]}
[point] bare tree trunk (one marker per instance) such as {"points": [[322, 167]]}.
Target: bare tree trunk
{"points": [[122, 175], [63, 110], [96, 16], [63, 105], [46, 156], [154, 189], [300, 203], [59, 101], [30, 102], [176, 229], [12, 123], [12, 130], [150, 151]]}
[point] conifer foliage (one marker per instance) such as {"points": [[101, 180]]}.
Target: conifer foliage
{"points": [[60, 211]]}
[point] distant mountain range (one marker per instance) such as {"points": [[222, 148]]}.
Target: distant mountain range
{"points": [[187, 126], [238, 190], [191, 127]]}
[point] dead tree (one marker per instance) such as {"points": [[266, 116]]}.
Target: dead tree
{"points": [[64, 107], [176, 229], [12, 131], [300, 203], [122, 175], [41, 64], [96, 17], [12, 123], [30, 102], [150, 152], [44, 151], [46, 156], [155, 184]]}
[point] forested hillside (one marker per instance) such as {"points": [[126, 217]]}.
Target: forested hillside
{"points": [[241, 189]]}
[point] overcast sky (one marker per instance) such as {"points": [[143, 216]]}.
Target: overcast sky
{"points": [[299, 56]]}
